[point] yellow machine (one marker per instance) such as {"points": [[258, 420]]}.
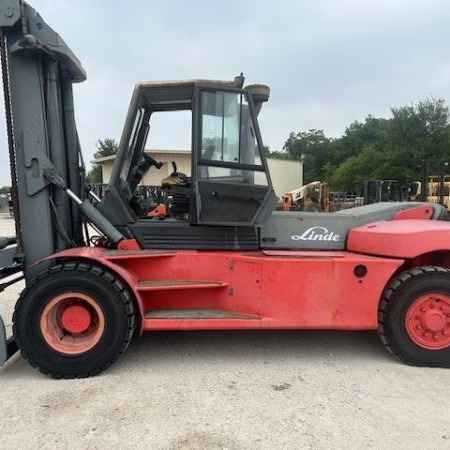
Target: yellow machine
{"points": [[318, 191], [438, 190]]}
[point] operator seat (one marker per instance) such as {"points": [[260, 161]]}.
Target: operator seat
{"points": [[177, 190]]}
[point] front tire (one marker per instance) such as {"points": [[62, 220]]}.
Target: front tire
{"points": [[74, 320], [414, 317]]}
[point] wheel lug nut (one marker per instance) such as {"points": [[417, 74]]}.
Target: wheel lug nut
{"points": [[432, 305], [423, 309], [418, 327]]}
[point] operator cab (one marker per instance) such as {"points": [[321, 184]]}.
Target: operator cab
{"points": [[229, 186]]}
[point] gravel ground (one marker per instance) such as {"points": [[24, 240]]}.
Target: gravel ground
{"points": [[229, 390]]}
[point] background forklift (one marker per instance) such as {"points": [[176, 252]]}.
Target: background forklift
{"points": [[221, 259], [294, 200], [381, 191]]}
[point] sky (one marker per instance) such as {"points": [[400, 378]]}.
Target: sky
{"points": [[327, 62]]}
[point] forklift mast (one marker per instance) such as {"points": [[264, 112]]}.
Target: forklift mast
{"points": [[38, 73]]}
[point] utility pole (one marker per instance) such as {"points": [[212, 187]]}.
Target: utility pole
{"points": [[442, 170], [424, 180]]}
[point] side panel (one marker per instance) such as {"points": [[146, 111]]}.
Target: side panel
{"points": [[314, 231], [275, 289], [321, 291]]}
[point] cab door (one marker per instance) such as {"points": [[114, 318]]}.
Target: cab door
{"points": [[232, 184]]}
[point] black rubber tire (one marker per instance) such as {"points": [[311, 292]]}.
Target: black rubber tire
{"points": [[110, 295], [397, 298]]}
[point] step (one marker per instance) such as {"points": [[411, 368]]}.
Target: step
{"points": [[197, 314], [165, 285]]}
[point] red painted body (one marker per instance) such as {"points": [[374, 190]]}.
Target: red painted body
{"points": [[206, 290], [406, 239], [420, 212], [275, 289]]}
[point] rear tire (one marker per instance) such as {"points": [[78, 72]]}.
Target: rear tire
{"points": [[414, 317], [74, 320]]}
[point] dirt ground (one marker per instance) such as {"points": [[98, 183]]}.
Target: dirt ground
{"points": [[229, 390]]}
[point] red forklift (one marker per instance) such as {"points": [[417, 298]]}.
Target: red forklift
{"points": [[221, 258]]}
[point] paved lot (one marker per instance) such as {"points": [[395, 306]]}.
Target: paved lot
{"points": [[234, 390]]}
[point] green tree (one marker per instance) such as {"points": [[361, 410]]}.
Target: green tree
{"points": [[278, 155], [423, 127], [314, 148], [358, 135], [376, 148], [350, 174], [374, 164], [105, 147]]}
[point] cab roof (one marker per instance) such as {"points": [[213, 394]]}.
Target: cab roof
{"points": [[174, 95]]}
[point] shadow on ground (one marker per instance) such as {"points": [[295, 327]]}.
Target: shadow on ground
{"points": [[258, 345]]}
